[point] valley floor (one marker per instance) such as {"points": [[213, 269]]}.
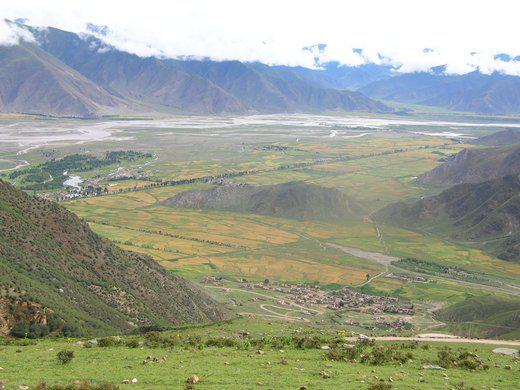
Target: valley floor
{"points": [[373, 161]]}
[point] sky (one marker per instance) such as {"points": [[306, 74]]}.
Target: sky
{"points": [[412, 35]]}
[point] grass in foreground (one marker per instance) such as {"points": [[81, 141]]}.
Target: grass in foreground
{"points": [[254, 354]]}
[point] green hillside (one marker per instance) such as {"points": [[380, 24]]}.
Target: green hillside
{"points": [[485, 214], [52, 266], [475, 166], [485, 317], [296, 200], [504, 137]]}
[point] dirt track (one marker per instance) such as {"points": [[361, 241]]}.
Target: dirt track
{"points": [[372, 256], [272, 313], [445, 340]]}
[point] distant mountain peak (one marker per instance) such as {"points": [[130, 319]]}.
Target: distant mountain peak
{"points": [[439, 70], [100, 30]]}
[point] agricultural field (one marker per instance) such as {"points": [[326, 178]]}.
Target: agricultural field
{"points": [[372, 161]]}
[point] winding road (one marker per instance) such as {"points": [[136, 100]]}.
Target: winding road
{"points": [[272, 313]]}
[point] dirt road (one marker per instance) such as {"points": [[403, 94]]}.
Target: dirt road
{"points": [[291, 307], [444, 340], [376, 257]]}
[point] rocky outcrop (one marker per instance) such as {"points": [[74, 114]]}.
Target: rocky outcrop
{"points": [[14, 311]]}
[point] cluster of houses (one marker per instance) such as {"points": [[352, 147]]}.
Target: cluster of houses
{"points": [[344, 298], [79, 192], [370, 304], [411, 278]]}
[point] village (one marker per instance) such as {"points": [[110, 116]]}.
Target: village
{"points": [[308, 295]]}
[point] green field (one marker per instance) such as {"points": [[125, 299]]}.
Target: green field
{"points": [[246, 354]]}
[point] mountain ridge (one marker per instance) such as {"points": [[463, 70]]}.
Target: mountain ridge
{"points": [[33, 82], [128, 83], [499, 138], [475, 165], [471, 92], [485, 213]]}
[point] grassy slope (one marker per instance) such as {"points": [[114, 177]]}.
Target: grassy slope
{"points": [[486, 316], [44, 248], [475, 166], [485, 213], [296, 199]]}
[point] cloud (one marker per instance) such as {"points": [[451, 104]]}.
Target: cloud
{"points": [[11, 34], [412, 36]]}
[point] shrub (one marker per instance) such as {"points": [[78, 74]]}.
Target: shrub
{"points": [[69, 330], [343, 354], [464, 359], [194, 340], [20, 330], [307, 342], [221, 342], [380, 386], [107, 342], [379, 356], [54, 322], [37, 331], [132, 344], [367, 343], [65, 356], [402, 357], [246, 344], [148, 329], [157, 340], [280, 342]]}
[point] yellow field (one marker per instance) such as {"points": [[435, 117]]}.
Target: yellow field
{"points": [[261, 246]]}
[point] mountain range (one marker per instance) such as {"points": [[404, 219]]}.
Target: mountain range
{"points": [[33, 81], [480, 205], [66, 74], [81, 75], [472, 92], [53, 268]]}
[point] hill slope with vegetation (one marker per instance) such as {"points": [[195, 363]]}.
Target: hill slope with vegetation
{"points": [[475, 166], [485, 317], [504, 137], [485, 214], [295, 200], [53, 267]]}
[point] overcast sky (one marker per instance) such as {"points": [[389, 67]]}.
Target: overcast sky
{"points": [[413, 34]]}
